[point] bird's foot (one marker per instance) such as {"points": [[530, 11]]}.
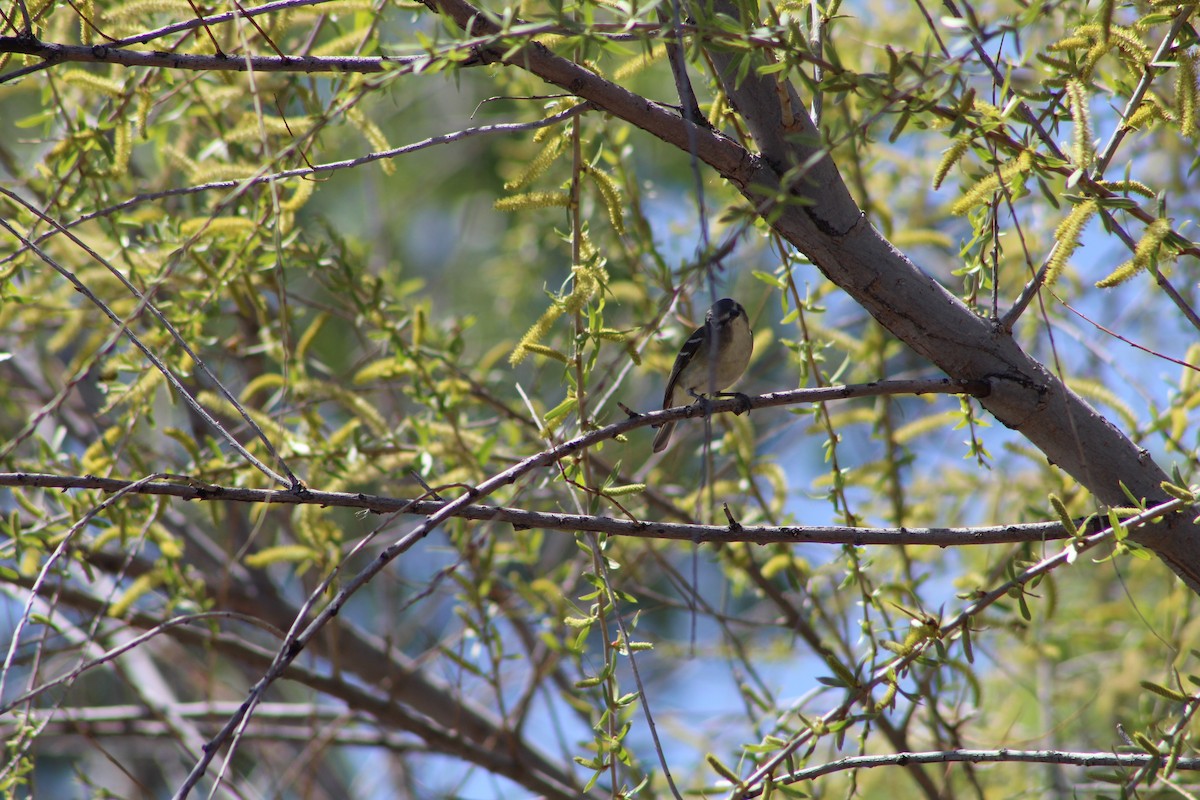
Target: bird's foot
{"points": [[702, 407]]}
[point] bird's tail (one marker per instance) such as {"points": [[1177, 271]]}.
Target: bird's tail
{"points": [[663, 436]]}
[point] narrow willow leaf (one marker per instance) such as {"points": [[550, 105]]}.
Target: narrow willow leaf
{"points": [[1163, 691], [141, 586], [562, 409], [1178, 492], [722, 770], [288, 553]]}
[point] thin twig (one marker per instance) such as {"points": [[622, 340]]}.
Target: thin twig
{"points": [[208, 31], [570, 523], [1152, 71], [688, 105], [52, 54], [26, 20], [1124, 339]]}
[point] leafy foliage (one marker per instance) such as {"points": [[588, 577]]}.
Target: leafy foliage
{"points": [[405, 276]]}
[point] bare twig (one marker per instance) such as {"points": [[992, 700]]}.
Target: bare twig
{"points": [[718, 534], [1068, 758], [1155, 68], [1126, 340], [277, 722]]}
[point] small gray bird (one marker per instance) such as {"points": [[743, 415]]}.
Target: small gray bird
{"points": [[712, 359]]}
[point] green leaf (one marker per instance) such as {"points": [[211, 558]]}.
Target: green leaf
{"points": [[1163, 691]]}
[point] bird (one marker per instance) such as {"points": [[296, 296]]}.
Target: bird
{"points": [[712, 359]]}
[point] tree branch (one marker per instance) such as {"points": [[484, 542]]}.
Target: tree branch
{"points": [[983, 757], [701, 534], [52, 54], [292, 722]]}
